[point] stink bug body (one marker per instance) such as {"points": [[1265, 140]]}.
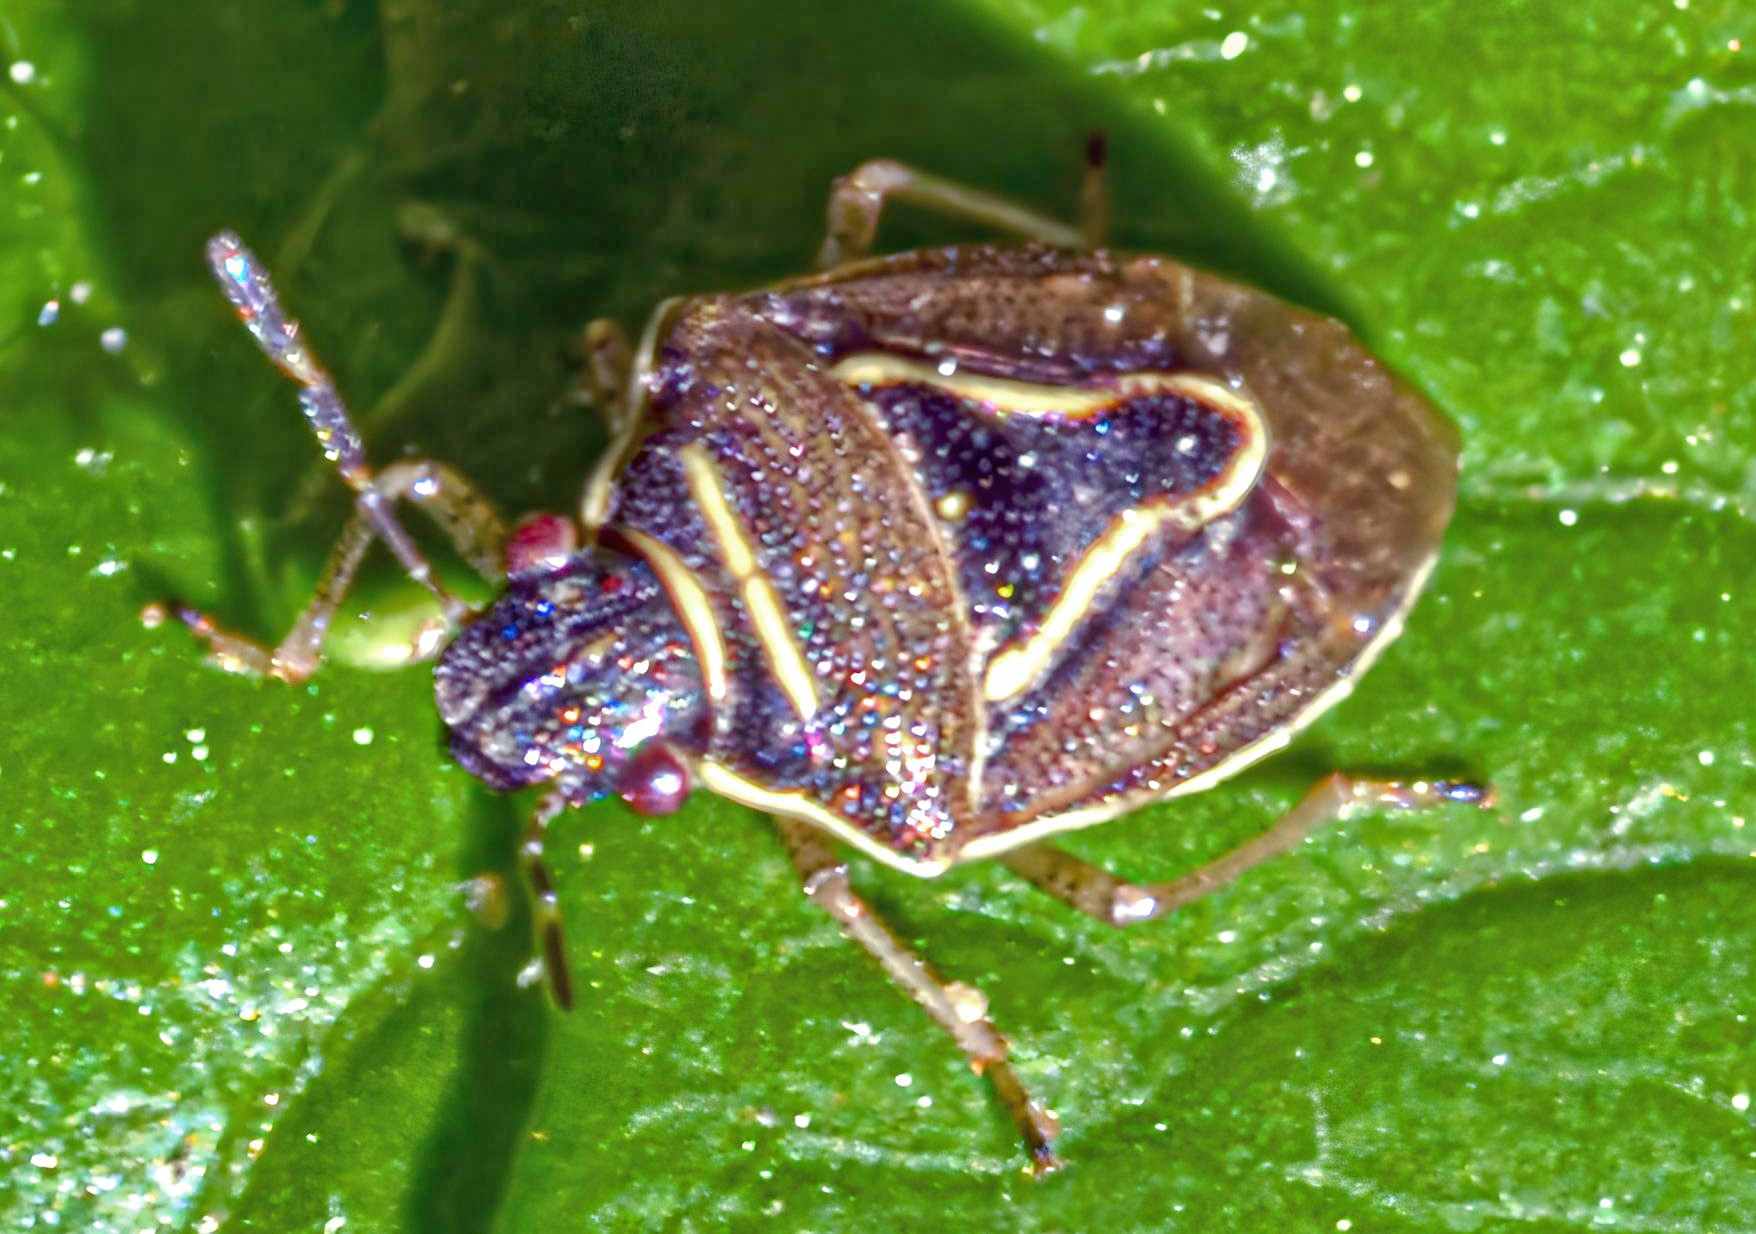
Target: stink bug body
{"points": [[933, 555]]}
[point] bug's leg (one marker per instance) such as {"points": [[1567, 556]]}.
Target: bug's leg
{"points": [[609, 363], [619, 376], [960, 1010], [545, 910], [1102, 895], [1094, 192], [857, 200], [466, 516], [458, 507]]}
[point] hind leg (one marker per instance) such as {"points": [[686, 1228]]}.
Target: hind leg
{"points": [[1114, 901]]}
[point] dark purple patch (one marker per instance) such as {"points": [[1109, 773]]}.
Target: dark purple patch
{"points": [[1040, 490], [1200, 622]]}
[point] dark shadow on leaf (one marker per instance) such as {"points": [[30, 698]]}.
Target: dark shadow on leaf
{"points": [[457, 1183]]}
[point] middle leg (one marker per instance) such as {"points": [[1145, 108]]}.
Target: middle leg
{"points": [[959, 1009]]}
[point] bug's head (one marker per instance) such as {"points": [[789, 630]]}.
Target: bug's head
{"points": [[580, 674]]}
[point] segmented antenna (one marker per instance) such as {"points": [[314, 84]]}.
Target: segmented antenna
{"points": [[245, 283]]}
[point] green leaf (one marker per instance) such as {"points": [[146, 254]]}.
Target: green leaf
{"points": [[243, 979]]}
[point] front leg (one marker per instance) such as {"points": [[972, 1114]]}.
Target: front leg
{"points": [[608, 371], [1114, 901], [462, 511], [959, 1009], [468, 517]]}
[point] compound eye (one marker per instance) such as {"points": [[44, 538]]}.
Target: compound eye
{"points": [[655, 780], [540, 540]]}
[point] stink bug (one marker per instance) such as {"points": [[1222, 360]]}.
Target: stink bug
{"points": [[933, 555]]}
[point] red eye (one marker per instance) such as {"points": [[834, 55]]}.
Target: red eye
{"points": [[655, 781], [540, 540]]}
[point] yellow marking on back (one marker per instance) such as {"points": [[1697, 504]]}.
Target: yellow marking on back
{"points": [[693, 607], [766, 612], [1013, 669], [720, 779], [1030, 398]]}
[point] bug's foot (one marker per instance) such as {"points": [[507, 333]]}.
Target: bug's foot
{"points": [[1043, 1161], [1038, 1126], [1040, 1140], [232, 652], [1468, 792], [1419, 794]]}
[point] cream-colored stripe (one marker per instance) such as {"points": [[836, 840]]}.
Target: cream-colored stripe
{"points": [[1029, 398], [1231, 765], [729, 784], [1013, 669], [766, 613], [693, 606]]}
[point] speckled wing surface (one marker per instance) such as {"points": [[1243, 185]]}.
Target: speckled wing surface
{"points": [[1185, 515], [979, 544], [846, 694]]}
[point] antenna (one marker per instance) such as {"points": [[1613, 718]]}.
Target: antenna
{"points": [[246, 284]]}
